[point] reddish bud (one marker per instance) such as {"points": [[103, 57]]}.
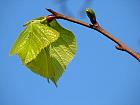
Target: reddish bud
{"points": [[50, 18]]}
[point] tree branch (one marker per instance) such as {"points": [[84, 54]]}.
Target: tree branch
{"points": [[120, 46]]}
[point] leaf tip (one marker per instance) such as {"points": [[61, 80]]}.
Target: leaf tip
{"points": [[11, 52]]}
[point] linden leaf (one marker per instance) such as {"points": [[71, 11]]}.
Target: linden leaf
{"points": [[33, 39], [53, 59]]}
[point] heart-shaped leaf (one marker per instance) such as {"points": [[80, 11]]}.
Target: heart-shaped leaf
{"points": [[33, 39], [45, 48], [52, 61]]}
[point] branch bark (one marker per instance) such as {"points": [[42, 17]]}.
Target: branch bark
{"points": [[120, 46]]}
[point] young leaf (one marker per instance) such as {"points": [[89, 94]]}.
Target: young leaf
{"points": [[45, 48], [33, 39], [53, 59]]}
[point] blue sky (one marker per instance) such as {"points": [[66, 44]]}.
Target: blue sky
{"points": [[98, 74]]}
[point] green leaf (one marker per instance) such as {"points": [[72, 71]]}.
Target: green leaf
{"points": [[53, 59], [45, 48], [33, 39]]}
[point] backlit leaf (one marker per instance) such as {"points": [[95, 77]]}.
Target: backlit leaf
{"points": [[33, 39], [52, 61], [45, 48]]}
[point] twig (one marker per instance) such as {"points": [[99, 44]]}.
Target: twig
{"points": [[120, 46]]}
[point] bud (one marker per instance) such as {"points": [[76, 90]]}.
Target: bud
{"points": [[50, 18], [91, 14]]}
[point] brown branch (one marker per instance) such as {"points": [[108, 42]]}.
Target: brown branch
{"points": [[120, 46]]}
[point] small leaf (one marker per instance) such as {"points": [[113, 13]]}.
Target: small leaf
{"points": [[52, 61], [33, 39]]}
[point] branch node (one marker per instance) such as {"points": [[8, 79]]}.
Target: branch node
{"points": [[118, 47], [50, 18]]}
